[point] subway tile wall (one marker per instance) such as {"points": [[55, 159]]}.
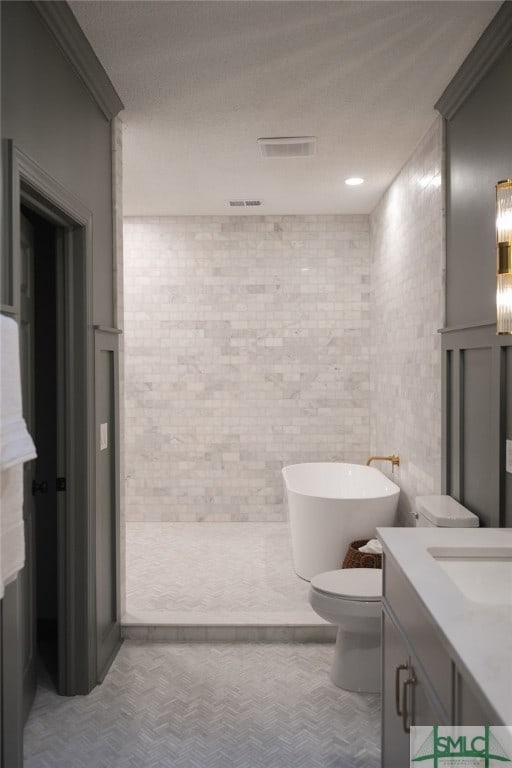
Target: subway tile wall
{"points": [[407, 306], [246, 348]]}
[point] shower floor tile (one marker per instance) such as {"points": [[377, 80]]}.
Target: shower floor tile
{"points": [[214, 574]]}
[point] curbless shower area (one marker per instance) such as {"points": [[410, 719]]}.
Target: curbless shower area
{"points": [[245, 349], [255, 342], [218, 581]]}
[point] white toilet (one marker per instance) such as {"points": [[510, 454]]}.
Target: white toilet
{"points": [[351, 598]]}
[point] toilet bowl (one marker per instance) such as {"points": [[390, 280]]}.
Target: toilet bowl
{"points": [[351, 598]]}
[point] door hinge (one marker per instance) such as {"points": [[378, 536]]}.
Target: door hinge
{"points": [[61, 483]]}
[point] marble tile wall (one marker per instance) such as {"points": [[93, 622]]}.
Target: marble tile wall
{"points": [[407, 307], [246, 348]]}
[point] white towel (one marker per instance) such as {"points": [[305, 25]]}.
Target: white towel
{"points": [[12, 536], [16, 447], [372, 547]]}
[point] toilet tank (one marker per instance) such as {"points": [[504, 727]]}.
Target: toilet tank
{"points": [[443, 512]]}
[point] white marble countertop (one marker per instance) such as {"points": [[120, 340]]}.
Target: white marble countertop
{"points": [[477, 635]]}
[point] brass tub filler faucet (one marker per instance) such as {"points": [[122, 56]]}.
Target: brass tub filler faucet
{"points": [[395, 460]]}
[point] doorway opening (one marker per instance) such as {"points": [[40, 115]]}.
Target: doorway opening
{"points": [[53, 604], [42, 365]]}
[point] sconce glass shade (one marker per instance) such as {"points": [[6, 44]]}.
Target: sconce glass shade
{"points": [[504, 256]]}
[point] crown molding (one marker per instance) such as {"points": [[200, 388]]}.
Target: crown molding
{"points": [[496, 38], [61, 21]]}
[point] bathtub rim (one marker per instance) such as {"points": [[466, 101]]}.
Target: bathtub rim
{"points": [[382, 494]]}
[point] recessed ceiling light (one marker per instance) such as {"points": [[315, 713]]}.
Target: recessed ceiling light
{"points": [[354, 181]]}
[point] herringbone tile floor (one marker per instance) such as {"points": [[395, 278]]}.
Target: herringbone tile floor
{"points": [[213, 573], [208, 706]]}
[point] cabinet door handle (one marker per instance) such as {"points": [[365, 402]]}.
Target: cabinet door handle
{"points": [[400, 668], [406, 715]]}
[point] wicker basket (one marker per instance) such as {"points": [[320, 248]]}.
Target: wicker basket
{"points": [[356, 559]]}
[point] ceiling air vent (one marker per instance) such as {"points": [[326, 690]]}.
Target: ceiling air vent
{"points": [[288, 146], [245, 203]]}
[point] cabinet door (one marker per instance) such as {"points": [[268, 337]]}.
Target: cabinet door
{"points": [[395, 672], [421, 704], [470, 709], [407, 698]]}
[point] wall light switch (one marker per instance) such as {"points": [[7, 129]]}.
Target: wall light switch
{"points": [[103, 436], [508, 460]]}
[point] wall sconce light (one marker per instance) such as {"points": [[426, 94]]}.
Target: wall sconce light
{"points": [[504, 256]]}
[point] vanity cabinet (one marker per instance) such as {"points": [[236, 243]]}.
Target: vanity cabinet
{"points": [[420, 682], [407, 698], [395, 673]]}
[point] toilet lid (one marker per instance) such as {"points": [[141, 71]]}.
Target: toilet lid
{"points": [[350, 583]]}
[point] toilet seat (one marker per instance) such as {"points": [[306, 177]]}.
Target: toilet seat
{"points": [[350, 584]]}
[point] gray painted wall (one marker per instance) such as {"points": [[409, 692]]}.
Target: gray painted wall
{"points": [[479, 153], [52, 117], [477, 363]]}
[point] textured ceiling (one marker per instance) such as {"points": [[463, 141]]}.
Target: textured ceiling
{"points": [[202, 80]]}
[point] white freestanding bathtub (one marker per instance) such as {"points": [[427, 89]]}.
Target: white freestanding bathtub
{"points": [[332, 504]]}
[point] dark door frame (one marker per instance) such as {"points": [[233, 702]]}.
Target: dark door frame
{"points": [[30, 185]]}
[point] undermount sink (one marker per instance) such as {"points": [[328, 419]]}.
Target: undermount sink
{"points": [[483, 575]]}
